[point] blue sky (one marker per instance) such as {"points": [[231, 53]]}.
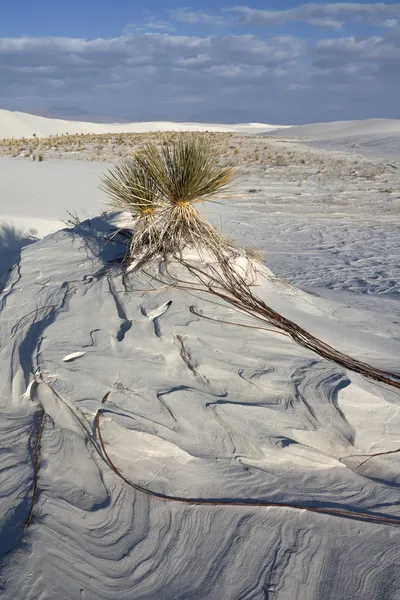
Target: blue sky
{"points": [[93, 18], [274, 61], [102, 18]]}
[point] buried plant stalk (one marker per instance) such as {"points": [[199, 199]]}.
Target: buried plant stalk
{"points": [[36, 466], [228, 285], [235, 502], [169, 179], [184, 227]]}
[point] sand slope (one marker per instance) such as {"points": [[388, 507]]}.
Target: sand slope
{"points": [[310, 217], [19, 125], [372, 137], [194, 408], [338, 129]]}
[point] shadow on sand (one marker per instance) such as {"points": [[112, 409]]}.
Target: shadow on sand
{"points": [[12, 241]]}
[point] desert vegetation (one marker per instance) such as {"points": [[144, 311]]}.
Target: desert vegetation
{"points": [[268, 154], [159, 186], [290, 169]]}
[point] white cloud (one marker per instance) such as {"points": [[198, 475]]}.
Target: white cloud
{"points": [[278, 78], [389, 23], [147, 26], [330, 15], [323, 15], [197, 18], [374, 51]]}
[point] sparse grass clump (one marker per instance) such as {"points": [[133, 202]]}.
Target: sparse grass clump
{"points": [[73, 219]]}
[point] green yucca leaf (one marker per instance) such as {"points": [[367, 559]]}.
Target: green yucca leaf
{"points": [[131, 188], [185, 169]]}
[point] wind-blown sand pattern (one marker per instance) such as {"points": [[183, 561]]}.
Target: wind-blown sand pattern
{"points": [[188, 408]]}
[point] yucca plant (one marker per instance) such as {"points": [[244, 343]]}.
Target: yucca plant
{"points": [[131, 189], [185, 170], [159, 185]]}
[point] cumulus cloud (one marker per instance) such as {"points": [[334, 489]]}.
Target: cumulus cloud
{"points": [[330, 15], [197, 17], [154, 74], [374, 53], [136, 72], [81, 58]]}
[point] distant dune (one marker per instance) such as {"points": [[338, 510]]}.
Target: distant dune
{"points": [[20, 125], [379, 138], [342, 129]]}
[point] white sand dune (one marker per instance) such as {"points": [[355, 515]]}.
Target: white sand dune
{"points": [[324, 219], [193, 408], [192, 405], [20, 125], [371, 137], [339, 129], [34, 202]]}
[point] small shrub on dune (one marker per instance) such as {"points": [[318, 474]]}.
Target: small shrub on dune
{"points": [[132, 190], [185, 170], [160, 185]]}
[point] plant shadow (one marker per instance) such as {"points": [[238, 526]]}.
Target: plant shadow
{"points": [[12, 240], [103, 240]]}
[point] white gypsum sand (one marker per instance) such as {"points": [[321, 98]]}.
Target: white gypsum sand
{"points": [[22, 125], [324, 205], [371, 137], [191, 408], [194, 399]]}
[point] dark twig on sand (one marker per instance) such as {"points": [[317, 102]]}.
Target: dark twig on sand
{"points": [[335, 512], [36, 466], [225, 283]]}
